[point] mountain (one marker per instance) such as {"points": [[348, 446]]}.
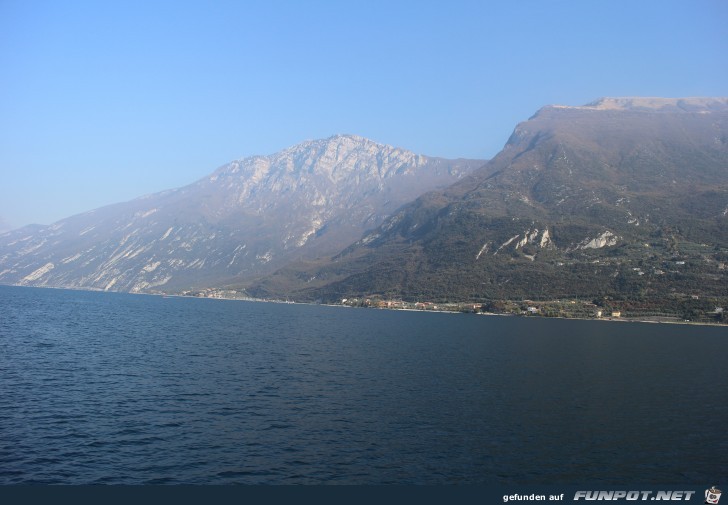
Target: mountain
{"points": [[623, 198], [246, 219]]}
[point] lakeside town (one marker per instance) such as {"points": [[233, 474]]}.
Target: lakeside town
{"points": [[686, 308]]}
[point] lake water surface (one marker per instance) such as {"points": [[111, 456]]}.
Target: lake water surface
{"points": [[129, 389]]}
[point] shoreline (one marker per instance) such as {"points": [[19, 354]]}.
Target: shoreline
{"points": [[602, 319], [621, 319]]}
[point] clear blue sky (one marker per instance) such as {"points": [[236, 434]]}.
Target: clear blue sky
{"points": [[103, 101]]}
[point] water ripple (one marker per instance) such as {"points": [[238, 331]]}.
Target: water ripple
{"points": [[101, 388]]}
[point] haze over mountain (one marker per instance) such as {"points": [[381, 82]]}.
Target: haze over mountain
{"points": [[622, 197], [245, 219], [4, 225]]}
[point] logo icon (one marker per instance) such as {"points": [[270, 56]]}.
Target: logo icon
{"points": [[712, 495]]}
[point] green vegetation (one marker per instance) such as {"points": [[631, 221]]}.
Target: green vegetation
{"points": [[626, 211], [682, 309]]}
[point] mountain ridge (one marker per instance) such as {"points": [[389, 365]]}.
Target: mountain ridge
{"points": [[573, 187], [654, 104], [620, 199], [240, 221]]}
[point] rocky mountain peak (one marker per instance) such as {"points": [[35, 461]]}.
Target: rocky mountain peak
{"points": [[243, 220], [340, 159], [605, 121], [343, 155]]}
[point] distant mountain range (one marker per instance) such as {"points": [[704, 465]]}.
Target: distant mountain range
{"points": [[622, 198], [246, 219]]}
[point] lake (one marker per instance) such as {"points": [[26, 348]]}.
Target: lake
{"points": [[110, 388]]}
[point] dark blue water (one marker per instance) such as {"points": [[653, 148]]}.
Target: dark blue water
{"points": [[123, 389]]}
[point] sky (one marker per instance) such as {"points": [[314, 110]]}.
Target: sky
{"points": [[102, 102]]}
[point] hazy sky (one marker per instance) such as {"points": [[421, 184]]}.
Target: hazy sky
{"points": [[104, 101]]}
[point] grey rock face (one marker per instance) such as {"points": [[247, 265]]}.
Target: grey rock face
{"points": [[244, 220]]}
